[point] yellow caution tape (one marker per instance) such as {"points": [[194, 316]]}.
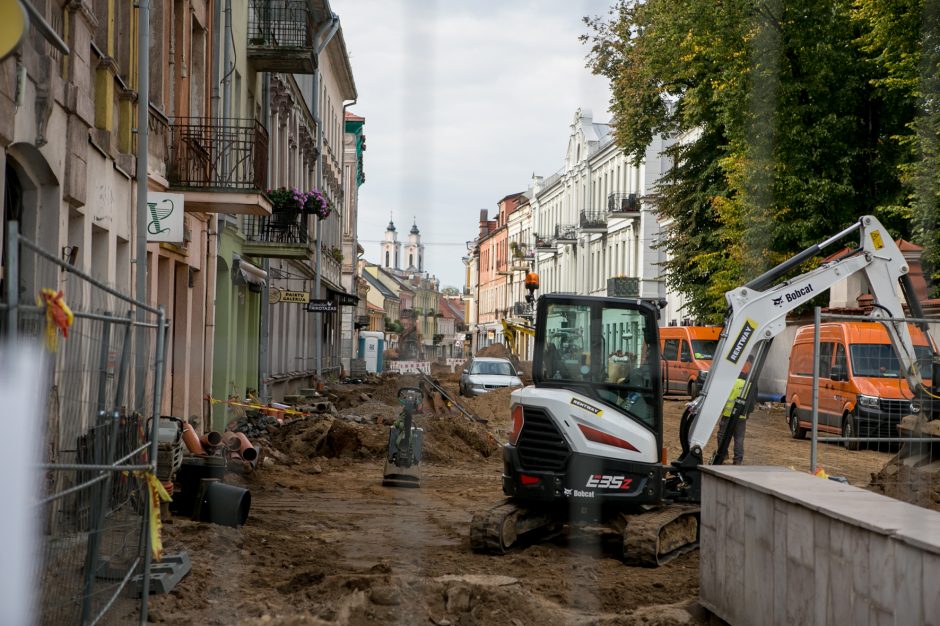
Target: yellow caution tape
{"points": [[157, 494], [255, 405]]}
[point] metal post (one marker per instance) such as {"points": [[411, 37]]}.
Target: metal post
{"points": [[815, 434], [103, 365], [13, 277], [264, 346], [318, 319], [122, 368], [154, 430], [143, 122]]}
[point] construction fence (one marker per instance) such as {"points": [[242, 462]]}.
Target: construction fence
{"points": [[104, 376], [851, 394]]}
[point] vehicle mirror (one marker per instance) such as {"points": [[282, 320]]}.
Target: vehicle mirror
{"points": [[838, 373], [466, 371]]}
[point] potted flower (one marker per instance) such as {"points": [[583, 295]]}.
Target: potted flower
{"points": [[317, 204]]}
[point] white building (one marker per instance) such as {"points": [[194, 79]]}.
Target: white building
{"points": [[594, 219]]}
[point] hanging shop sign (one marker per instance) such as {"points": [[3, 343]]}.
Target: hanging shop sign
{"points": [[165, 217], [295, 296], [343, 299], [13, 23], [320, 306]]}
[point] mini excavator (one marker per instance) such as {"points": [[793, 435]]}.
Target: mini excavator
{"points": [[586, 444]]}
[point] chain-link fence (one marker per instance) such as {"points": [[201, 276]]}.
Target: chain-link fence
{"points": [[105, 377], [854, 387]]}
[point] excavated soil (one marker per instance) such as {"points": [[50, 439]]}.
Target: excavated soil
{"points": [[327, 544]]}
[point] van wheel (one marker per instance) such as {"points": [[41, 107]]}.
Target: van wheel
{"points": [[693, 389], [796, 431], [850, 429]]}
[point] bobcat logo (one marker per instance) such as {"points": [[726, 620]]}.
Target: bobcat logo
{"points": [[778, 301]]}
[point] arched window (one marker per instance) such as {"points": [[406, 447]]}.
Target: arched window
{"points": [[386, 258], [411, 260]]}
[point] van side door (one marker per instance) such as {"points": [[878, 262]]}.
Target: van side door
{"points": [[841, 387], [670, 364], [686, 365], [828, 406]]}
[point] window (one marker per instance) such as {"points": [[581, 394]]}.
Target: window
{"points": [[671, 350], [704, 349], [686, 355]]}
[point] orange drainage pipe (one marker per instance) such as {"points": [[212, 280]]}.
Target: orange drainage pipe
{"points": [[231, 441], [247, 449], [191, 439], [211, 439]]}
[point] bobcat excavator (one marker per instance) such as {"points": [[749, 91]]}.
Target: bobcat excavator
{"points": [[586, 444]]}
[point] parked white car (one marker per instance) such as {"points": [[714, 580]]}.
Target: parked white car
{"points": [[483, 374]]}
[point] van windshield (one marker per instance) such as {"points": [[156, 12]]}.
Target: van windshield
{"points": [[877, 360], [704, 349]]}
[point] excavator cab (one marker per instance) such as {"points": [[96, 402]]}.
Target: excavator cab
{"points": [[606, 349]]}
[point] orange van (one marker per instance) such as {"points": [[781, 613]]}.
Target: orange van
{"points": [[862, 390], [687, 353]]}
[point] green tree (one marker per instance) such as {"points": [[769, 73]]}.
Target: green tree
{"points": [[781, 137]]}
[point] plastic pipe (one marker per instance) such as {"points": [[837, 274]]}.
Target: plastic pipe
{"points": [[231, 441], [211, 439], [191, 439]]}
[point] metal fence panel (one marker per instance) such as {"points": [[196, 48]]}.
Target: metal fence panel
{"points": [[104, 383], [859, 398]]}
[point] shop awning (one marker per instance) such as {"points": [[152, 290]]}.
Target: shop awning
{"points": [[245, 273], [342, 298]]}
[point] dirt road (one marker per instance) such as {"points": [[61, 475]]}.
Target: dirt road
{"points": [[326, 543]]}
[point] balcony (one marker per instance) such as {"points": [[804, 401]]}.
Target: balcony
{"points": [[544, 243], [220, 166], [623, 205], [623, 287], [566, 233], [281, 236], [524, 309], [280, 36], [593, 221]]}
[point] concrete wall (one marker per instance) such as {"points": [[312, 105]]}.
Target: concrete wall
{"points": [[783, 547]]}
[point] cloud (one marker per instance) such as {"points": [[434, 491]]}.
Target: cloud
{"points": [[463, 102]]}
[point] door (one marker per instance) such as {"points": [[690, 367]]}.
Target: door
{"points": [[670, 365], [841, 389], [686, 366], [827, 404]]}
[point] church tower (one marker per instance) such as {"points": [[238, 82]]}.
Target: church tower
{"points": [[391, 247], [414, 251]]}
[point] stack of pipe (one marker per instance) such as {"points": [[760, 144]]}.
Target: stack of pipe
{"points": [[242, 455]]}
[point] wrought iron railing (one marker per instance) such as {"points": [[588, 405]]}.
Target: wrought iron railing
{"points": [[566, 232], [523, 309], [283, 227], [623, 203], [593, 219], [212, 155], [279, 24], [543, 242]]}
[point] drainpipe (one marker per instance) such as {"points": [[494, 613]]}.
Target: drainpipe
{"points": [[355, 239], [226, 63], [212, 258], [216, 59], [264, 349], [333, 26], [143, 121]]}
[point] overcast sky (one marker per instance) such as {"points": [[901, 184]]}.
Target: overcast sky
{"points": [[463, 102]]}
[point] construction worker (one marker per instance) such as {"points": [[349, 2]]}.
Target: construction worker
{"points": [[739, 426]]}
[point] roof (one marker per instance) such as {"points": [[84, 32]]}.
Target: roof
{"points": [[352, 117], [377, 309], [382, 289], [402, 285]]}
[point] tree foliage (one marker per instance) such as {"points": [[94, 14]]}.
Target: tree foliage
{"points": [[791, 119]]}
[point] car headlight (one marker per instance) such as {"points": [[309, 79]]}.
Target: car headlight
{"points": [[868, 401], [915, 408], [702, 375]]}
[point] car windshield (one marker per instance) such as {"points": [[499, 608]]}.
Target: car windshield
{"points": [[704, 349], [492, 368], [877, 360]]}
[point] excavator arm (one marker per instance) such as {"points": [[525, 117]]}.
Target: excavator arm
{"points": [[757, 313]]}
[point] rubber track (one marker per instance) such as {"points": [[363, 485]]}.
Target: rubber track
{"points": [[486, 528], [641, 536]]}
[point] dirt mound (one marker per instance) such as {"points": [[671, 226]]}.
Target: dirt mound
{"points": [[903, 480], [308, 439], [497, 350], [453, 438], [492, 406]]}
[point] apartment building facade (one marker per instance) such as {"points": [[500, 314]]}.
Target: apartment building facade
{"points": [[229, 118]]}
